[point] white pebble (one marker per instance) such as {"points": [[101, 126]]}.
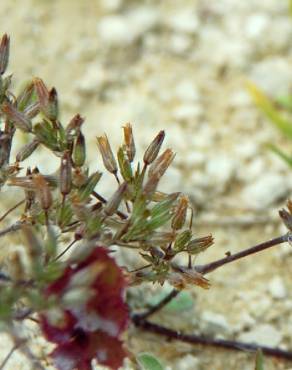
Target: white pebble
{"points": [[220, 169], [277, 288], [264, 191], [184, 21], [273, 75]]}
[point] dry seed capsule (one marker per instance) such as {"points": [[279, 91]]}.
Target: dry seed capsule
{"points": [[4, 53], [153, 149], [79, 150], [161, 164], [66, 174], [43, 191], [129, 142], [27, 150], [19, 118], [114, 202], [179, 217], [199, 245], [107, 154]]}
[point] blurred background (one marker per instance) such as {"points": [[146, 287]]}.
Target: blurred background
{"points": [[182, 66]]}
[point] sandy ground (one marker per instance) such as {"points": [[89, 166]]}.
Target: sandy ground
{"points": [[182, 66]]}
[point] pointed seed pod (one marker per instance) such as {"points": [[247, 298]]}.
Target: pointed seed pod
{"points": [[129, 142], [161, 164], [153, 149], [65, 174], [43, 191], [27, 150], [180, 214], [114, 202], [20, 120], [79, 150], [107, 154], [4, 53]]}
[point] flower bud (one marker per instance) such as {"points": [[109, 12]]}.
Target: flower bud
{"points": [[4, 53], [107, 154], [66, 174], [129, 142], [125, 165], [42, 94], [179, 217], [199, 245], [161, 164], [43, 191], [153, 149], [79, 150], [52, 110], [74, 125]]}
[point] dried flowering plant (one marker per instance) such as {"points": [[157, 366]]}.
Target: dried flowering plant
{"points": [[65, 276]]}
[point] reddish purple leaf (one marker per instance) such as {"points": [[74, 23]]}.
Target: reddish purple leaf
{"points": [[89, 329]]}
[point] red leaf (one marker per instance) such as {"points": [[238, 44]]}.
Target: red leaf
{"points": [[89, 329]]}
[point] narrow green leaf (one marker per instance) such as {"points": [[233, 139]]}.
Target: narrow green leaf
{"points": [[281, 154], [263, 102], [149, 362], [88, 188]]}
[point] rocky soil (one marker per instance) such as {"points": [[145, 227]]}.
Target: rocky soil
{"points": [[182, 66]]}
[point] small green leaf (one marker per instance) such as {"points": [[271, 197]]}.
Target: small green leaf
{"points": [[149, 362], [259, 360]]}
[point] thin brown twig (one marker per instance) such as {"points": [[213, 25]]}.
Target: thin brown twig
{"points": [[9, 354], [198, 339], [140, 319], [65, 250], [209, 267], [11, 209], [14, 227]]}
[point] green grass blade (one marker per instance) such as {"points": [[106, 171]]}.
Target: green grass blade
{"points": [[149, 362]]}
